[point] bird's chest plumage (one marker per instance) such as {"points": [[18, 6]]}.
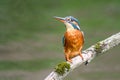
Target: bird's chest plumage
{"points": [[73, 40]]}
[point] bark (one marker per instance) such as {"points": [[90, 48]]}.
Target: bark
{"points": [[88, 54]]}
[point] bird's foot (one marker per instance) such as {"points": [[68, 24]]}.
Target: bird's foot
{"points": [[69, 60], [82, 57]]}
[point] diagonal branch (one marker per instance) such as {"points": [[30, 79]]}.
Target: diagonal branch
{"points": [[88, 54]]}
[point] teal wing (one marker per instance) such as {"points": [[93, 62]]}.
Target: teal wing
{"points": [[63, 40], [83, 34]]}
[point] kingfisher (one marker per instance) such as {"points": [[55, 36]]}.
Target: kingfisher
{"points": [[73, 39]]}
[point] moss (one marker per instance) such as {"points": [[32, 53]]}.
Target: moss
{"points": [[98, 47], [62, 68]]}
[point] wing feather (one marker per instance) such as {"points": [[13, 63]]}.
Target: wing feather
{"points": [[63, 40]]}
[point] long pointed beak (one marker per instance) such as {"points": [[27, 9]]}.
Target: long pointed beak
{"points": [[60, 19]]}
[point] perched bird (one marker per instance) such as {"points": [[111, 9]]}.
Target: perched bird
{"points": [[73, 39]]}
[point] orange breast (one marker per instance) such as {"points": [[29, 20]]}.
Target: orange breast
{"points": [[73, 41]]}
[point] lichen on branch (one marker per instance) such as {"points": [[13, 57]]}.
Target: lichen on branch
{"points": [[61, 68], [64, 68]]}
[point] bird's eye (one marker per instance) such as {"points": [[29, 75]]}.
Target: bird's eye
{"points": [[68, 19]]}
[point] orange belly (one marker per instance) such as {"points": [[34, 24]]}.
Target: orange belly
{"points": [[73, 43]]}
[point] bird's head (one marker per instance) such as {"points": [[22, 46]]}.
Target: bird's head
{"points": [[70, 22]]}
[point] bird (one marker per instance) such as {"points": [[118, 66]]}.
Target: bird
{"points": [[73, 39]]}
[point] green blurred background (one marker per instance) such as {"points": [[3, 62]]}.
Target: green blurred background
{"points": [[30, 38]]}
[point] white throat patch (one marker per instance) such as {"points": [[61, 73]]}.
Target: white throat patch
{"points": [[70, 26]]}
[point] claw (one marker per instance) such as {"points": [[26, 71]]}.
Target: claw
{"points": [[69, 61], [81, 57]]}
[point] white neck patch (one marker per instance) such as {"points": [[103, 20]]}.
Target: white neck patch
{"points": [[70, 26]]}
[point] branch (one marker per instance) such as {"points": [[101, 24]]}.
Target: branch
{"points": [[88, 54]]}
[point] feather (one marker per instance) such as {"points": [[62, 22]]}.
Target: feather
{"points": [[63, 40]]}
